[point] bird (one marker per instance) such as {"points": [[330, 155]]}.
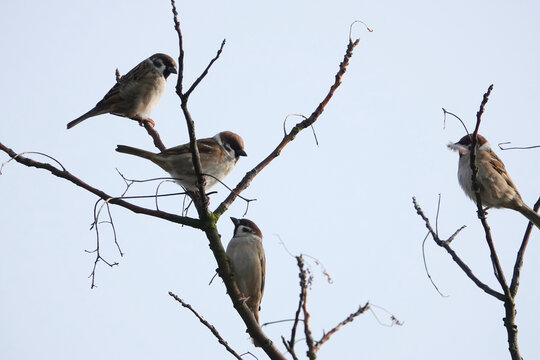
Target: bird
{"points": [[497, 189], [136, 93], [218, 156], [246, 255]]}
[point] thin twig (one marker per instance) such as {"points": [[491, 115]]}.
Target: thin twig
{"points": [[245, 182], [336, 328], [301, 297], [311, 352], [358, 22], [457, 117], [29, 152], [426, 267], [393, 319], [516, 147], [228, 188], [64, 174], [180, 81], [509, 305], [289, 349], [446, 245], [207, 324], [205, 72], [209, 220], [155, 136], [499, 274]]}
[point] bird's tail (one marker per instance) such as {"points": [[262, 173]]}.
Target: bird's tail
{"points": [[89, 114], [530, 214], [134, 151]]}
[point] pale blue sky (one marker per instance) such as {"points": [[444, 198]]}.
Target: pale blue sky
{"points": [[346, 202]]}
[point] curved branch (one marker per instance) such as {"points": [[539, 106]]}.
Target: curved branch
{"points": [[64, 174], [326, 337], [446, 245], [207, 324], [521, 253], [245, 182]]}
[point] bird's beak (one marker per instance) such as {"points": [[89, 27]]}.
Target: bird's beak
{"points": [[453, 146], [462, 150], [235, 221], [172, 70], [240, 152]]}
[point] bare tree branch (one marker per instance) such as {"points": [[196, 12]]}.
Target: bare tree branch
{"points": [[207, 324], [499, 274], [349, 319], [508, 292], [64, 174], [205, 72], [246, 181], [155, 136], [521, 253], [208, 219], [304, 283], [516, 147], [446, 245], [202, 205]]}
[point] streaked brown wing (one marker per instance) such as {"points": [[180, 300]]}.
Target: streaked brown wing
{"points": [[206, 147], [124, 86], [177, 150], [263, 268], [498, 166]]}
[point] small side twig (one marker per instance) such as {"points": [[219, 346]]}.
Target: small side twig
{"points": [[350, 318], [311, 352], [207, 324], [301, 298], [250, 175], [154, 135], [64, 174], [457, 117], [446, 245], [514, 285], [516, 147], [205, 72]]}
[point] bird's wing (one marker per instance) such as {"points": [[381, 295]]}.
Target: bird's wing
{"points": [[498, 166], [262, 259], [125, 85], [206, 147]]}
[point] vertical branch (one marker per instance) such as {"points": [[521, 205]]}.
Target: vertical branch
{"points": [[181, 47], [499, 274], [200, 201], [509, 304], [521, 253], [209, 221], [311, 353]]}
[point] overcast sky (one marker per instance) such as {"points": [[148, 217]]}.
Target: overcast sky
{"points": [[346, 202]]}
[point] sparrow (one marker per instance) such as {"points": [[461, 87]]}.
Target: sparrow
{"points": [[246, 256], [136, 93], [497, 189], [218, 156]]}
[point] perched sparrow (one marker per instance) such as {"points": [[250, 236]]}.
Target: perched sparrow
{"points": [[218, 155], [496, 187], [135, 94], [246, 254]]}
